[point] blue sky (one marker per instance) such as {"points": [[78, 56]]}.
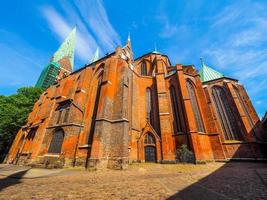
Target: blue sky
{"points": [[231, 36]]}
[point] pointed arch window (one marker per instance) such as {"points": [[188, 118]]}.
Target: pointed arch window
{"points": [[56, 142], [226, 115], [63, 111], [149, 106], [96, 103], [195, 107], [143, 68], [243, 105], [178, 122], [149, 139]]}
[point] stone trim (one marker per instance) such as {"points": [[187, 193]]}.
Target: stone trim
{"points": [[62, 125], [234, 142], [85, 146], [135, 129], [113, 121], [162, 114]]}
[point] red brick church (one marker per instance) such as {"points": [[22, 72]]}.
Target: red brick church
{"points": [[118, 110]]}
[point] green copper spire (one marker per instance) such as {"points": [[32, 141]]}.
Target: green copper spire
{"points": [[207, 73], [51, 71], [66, 49], [96, 55]]}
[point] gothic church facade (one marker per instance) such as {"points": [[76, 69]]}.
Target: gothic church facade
{"points": [[118, 110]]}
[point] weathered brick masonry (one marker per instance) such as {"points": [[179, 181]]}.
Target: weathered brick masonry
{"points": [[118, 110]]}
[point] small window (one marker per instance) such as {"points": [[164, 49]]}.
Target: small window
{"points": [[63, 112], [143, 68]]}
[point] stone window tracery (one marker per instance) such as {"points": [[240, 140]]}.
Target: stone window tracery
{"points": [[143, 68], [195, 107], [226, 115]]}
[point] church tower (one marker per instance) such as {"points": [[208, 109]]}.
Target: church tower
{"points": [[61, 63]]}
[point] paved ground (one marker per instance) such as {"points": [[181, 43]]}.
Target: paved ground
{"points": [[140, 181]]}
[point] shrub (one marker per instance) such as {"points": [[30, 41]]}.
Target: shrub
{"points": [[185, 155]]}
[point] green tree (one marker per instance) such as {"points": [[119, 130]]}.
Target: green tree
{"points": [[14, 110]]}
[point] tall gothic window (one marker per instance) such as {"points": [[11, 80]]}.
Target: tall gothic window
{"points": [[244, 107], [143, 68], [63, 112], [228, 122], [56, 142], [177, 119], [96, 103], [149, 106], [195, 107]]}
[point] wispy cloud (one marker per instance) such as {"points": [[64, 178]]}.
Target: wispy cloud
{"points": [[95, 14], [85, 43], [230, 37], [241, 45], [93, 26]]}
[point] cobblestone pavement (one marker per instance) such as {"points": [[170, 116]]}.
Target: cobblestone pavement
{"points": [[239, 180]]}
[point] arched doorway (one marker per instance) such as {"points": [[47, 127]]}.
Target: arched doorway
{"points": [[150, 148]]}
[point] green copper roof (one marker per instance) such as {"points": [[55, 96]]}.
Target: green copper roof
{"points": [[96, 55], [208, 74], [66, 49]]}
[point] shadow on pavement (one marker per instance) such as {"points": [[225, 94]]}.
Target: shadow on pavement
{"points": [[12, 179]]}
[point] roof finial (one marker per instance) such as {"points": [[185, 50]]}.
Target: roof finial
{"points": [[96, 55], [155, 47], [129, 37], [202, 62]]}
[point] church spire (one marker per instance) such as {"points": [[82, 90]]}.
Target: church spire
{"points": [[207, 73], [66, 49], [129, 37], [61, 63]]}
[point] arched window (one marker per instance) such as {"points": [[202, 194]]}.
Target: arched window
{"points": [[149, 106], [244, 107], [149, 139], [143, 68], [196, 111], [177, 119], [96, 103], [56, 142], [228, 122]]}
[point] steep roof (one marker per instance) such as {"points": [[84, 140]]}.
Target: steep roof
{"points": [[208, 74], [66, 49]]}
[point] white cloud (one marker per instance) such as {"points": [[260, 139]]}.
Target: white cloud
{"points": [[95, 14], [93, 26], [85, 44]]}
